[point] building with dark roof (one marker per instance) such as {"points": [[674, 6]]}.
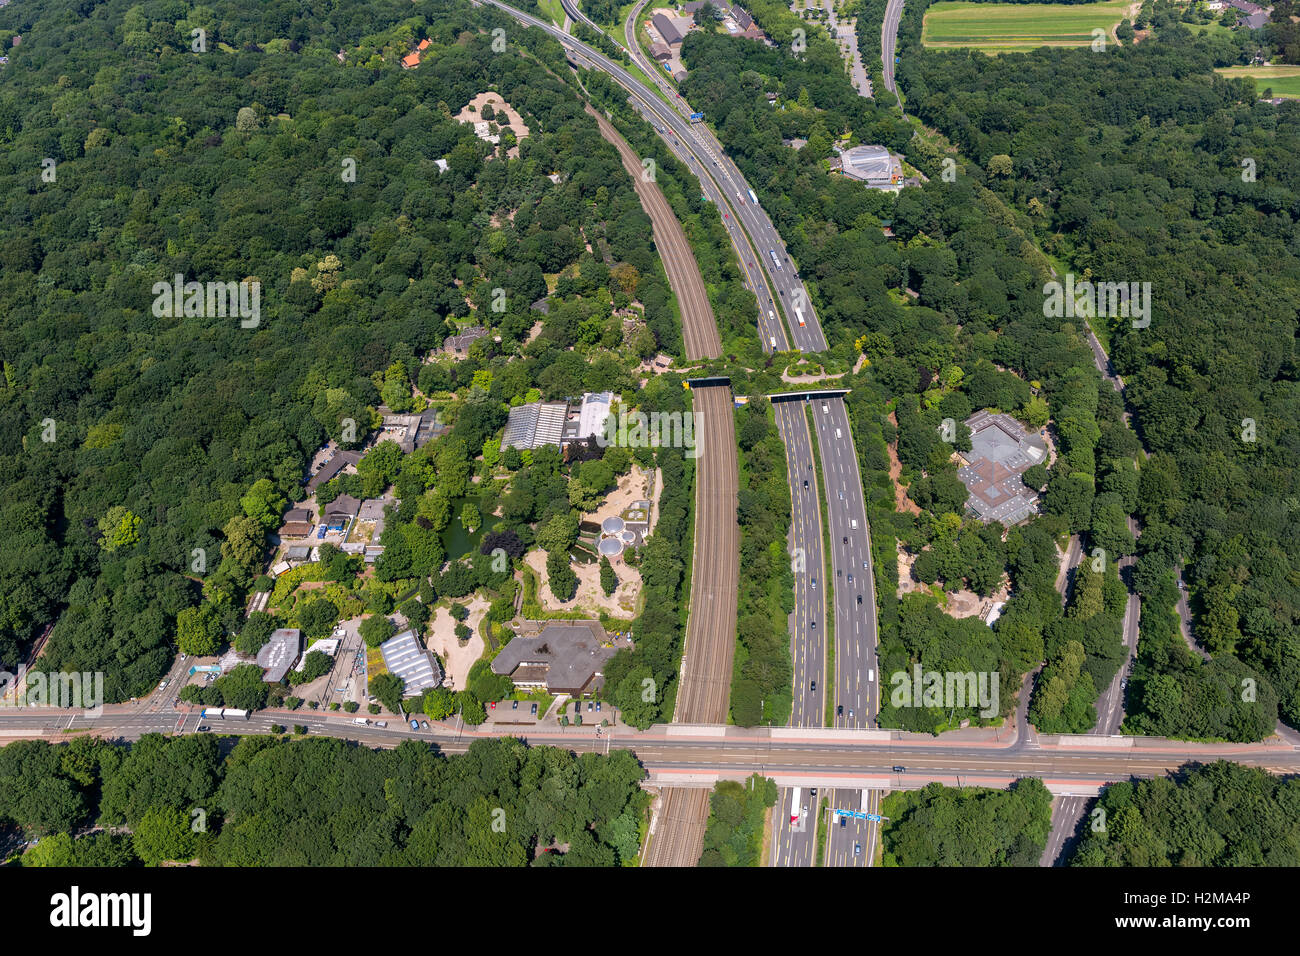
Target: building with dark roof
{"points": [[341, 510], [566, 657], [667, 29], [332, 467], [1001, 451], [459, 344]]}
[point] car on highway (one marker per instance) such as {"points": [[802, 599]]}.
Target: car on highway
{"points": [[814, 582], [846, 539], [857, 849], [805, 482], [203, 728], [825, 409], [850, 577], [813, 792], [850, 711], [859, 598], [812, 686], [900, 770], [839, 711], [844, 821], [864, 565], [853, 522], [814, 625]]}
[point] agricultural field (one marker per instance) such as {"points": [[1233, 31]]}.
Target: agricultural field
{"points": [[1283, 80], [1012, 28]]}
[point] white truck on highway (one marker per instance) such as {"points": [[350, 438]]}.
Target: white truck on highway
{"points": [[794, 804], [752, 197]]}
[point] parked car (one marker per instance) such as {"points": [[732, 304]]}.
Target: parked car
{"points": [[900, 770], [534, 711], [424, 725], [598, 707], [415, 725], [494, 705], [381, 723], [590, 706]]}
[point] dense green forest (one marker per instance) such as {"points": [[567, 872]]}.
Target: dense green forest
{"points": [[132, 441], [947, 314], [737, 815], [761, 689], [1169, 174], [1222, 814], [290, 802], [971, 826]]}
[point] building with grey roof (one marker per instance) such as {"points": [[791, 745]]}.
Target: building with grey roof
{"points": [[332, 467], [873, 165], [280, 654], [535, 424], [668, 29], [1001, 451], [404, 657], [459, 344], [566, 657]]}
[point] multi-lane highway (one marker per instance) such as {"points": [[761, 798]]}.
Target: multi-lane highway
{"points": [[793, 845], [769, 270], [857, 699], [697, 756]]}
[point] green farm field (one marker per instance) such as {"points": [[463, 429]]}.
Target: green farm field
{"points": [[1000, 27], [1284, 80]]}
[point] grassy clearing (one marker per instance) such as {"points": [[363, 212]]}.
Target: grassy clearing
{"points": [[1005, 28], [1283, 80]]}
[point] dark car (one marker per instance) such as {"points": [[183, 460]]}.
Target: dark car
{"points": [[900, 770], [534, 709], [813, 686], [859, 598], [805, 482], [844, 821], [814, 625], [839, 711]]}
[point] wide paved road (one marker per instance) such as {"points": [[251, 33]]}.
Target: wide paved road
{"points": [[889, 42], [791, 845], [772, 257], [856, 680], [853, 841]]}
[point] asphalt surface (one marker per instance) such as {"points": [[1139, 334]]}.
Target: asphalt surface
{"points": [[853, 841], [769, 265], [1067, 813], [856, 681], [793, 845], [696, 756], [889, 42]]}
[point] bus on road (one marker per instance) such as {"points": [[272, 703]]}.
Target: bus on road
{"points": [[753, 198]]}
